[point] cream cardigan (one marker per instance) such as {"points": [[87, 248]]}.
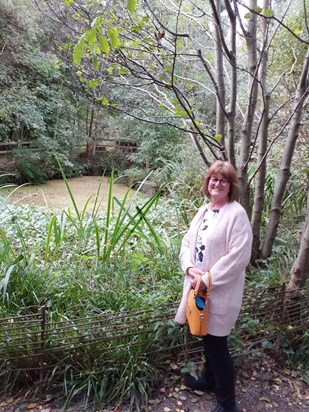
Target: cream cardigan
{"points": [[228, 251]]}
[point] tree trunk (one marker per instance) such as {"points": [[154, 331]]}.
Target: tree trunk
{"points": [[258, 203], [219, 70], [246, 130], [276, 204], [300, 269], [233, 85], [89, 134]]}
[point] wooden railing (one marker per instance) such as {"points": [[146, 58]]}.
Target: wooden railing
{"points": [[96, 146], [6, 147]]}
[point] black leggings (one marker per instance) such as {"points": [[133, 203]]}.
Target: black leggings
{"points": [[219, 370]]}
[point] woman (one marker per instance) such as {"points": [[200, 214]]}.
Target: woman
{"points": [[219, 242]]}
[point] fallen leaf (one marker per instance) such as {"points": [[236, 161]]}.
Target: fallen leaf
{"points": [[155, 401], [264, 399], [199, 393], [275, 404], [32, 405], [7, 402]]}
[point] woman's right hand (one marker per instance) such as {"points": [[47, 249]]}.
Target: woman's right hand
{"points": [[194, 273]]}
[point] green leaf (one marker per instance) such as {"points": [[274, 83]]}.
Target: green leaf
{"points": [[218, 137], [69, 2], [113, 34], [78, 51], [97, 22], [94, 83], [131, 5], [121, 71], [104, 101], [247, 16], [268, 13], [257, 9], [91, 36], [104, 44], [95, 63], [180, 112], [67, 46]]}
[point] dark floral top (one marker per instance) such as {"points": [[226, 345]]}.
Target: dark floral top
{"points": [[200, 248]]}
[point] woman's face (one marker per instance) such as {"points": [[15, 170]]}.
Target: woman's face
{"points": [[218, 188]]}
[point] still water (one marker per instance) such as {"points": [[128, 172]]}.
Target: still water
{"points": [[54, 194]]}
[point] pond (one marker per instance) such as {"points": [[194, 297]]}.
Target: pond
{"points": [[54, 194]]}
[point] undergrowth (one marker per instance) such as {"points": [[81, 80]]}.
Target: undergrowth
{"points": [[89, 262]]}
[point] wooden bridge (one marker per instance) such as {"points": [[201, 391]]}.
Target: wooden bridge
{"points": [[87, 150]]}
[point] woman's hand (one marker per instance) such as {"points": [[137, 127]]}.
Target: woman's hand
{"points": [[194, 274]]}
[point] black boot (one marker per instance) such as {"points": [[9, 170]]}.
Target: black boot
{"points": [[199, 384], [220, 408]]}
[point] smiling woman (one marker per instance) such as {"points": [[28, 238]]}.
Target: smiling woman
{"points": [[54, 194]]}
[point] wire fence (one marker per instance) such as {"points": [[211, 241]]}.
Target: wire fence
{"points": [[35, 344]]}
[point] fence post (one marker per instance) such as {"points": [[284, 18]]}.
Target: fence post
{"points": [[42, 347]]}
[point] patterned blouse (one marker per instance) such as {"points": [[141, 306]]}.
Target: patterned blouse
{"points": [[200, 248]]}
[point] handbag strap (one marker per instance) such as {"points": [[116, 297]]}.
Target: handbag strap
{"points": [[198, 283]]}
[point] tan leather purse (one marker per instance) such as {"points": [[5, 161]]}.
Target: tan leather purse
{"points": [[197, 308]]}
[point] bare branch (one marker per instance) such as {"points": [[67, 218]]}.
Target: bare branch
{"points": [[278, 21]]}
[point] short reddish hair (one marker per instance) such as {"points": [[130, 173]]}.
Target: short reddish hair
{"points": [[227, 170]]}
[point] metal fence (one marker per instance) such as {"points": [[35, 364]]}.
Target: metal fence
{"points": [[34, 344]]}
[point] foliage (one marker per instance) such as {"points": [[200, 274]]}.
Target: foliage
{"points": [[73, 262], [157, 145], [38, 104], [82, 262]]}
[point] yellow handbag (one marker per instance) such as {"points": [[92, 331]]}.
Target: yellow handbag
{"points": [[197, 308]]}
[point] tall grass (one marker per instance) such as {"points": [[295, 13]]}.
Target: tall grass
{"points": [[92, 261]]}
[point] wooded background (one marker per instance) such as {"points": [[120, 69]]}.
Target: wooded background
{"points": [[227, 78]]}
